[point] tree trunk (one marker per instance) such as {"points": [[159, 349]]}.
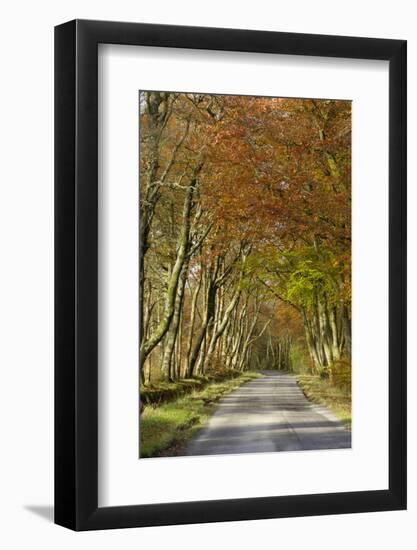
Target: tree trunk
{"points": [[183, 244], [207, 320], [192, 322], [171, 335], [221, 325]]}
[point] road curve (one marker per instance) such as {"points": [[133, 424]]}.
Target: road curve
{"points": [[268, 414]]}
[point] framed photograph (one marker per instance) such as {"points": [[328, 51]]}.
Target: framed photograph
{"points": [[230, 284]]}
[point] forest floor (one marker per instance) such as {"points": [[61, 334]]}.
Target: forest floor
{"points": [[166, 429], [322, 392]]}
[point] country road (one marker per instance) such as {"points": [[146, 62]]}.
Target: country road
{"points": [[268, 414]]}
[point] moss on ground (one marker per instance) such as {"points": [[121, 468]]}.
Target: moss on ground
{"points": [[165, 429]]}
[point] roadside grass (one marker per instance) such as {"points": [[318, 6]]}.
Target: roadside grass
{"points": [[323, 392], [160, 392], [165, 429]]}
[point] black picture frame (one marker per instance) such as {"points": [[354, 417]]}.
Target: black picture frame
{"points": [[76, 272]]}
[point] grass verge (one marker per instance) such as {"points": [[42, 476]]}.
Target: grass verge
{"points": [[321, 391], [161, 392], [165, 430]]}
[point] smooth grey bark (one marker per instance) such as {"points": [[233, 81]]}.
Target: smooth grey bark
{"points": [[192, 321], [159, 109], [172, 332], [219, 329], [207, 322], [172, 285]]}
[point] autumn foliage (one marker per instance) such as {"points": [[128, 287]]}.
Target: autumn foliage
{"points": [[245, 233]]}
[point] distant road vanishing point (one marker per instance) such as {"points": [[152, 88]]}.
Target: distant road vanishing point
{"points": [[269, 414]]}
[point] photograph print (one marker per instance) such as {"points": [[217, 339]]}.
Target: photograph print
{"points": [[244, 274]]}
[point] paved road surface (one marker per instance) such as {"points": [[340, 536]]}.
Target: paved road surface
{"points": [[266, 415]]}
